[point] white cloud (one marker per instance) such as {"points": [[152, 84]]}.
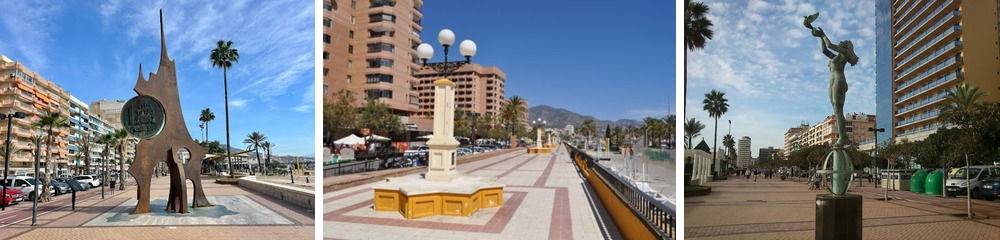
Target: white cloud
{"points": [[303, 108], [273, 54], [773, 73], [31, 23], [238, 102]]}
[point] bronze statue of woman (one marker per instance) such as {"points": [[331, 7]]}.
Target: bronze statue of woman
{"points": [[838, 82], [842, 168]]}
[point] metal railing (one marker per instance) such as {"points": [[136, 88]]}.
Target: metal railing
{"points": [[363, 162], [658, 217]]}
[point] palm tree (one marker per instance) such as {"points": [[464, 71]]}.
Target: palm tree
{"points": [[716, 105], [961, 100], [84, 144], [654, 130], [728, 142], [267, 151], [697, 31], [107, 141], [512, 112], [255, 139], [206, 116], [119, 137], [692, 129], [588, 129], [50, 121], [223, 56], [671, 128]]}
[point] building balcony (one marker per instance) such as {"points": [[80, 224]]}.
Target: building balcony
{"points": [[382, 26], [946, 50], [930, 115], [909, 28], [944, 60], [935, 85], [944, 18], [929, 102]]}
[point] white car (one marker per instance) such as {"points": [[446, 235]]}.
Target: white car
{"points": [[89, 179]]}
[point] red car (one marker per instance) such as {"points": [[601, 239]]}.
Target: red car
{"points": [[12, 196]]}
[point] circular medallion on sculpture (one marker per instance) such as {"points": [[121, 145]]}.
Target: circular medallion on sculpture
{"points": [[143, 117]]}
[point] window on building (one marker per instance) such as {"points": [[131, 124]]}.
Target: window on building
{"points": [[380, 3], [353, 20], [379, 62], [379, 17], [325, 88], [350, 63], [350, 34], [380, 47], [354, 4], [378, 93], [377, 78], [327, 22], [326, 55], [325, 71], [348, 79], [350, 48], [326, 38], [330, 5]]}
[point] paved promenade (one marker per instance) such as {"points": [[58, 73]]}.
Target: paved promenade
{"points": [[88, 221], [545, 198], [774, 209]]}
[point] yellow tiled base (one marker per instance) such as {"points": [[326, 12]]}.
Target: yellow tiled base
{"points": [[431, 204], [539, 150]]}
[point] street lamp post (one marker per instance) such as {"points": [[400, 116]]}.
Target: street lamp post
{"points": [[6, 160], [875, 156], [538, 135], [34, 199], [446, 37]]}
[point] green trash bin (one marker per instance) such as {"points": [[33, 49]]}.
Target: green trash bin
{"points": [[917, 182], [932, 186]]}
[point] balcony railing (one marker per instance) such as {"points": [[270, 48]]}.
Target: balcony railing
{"points": [[658, 217]]}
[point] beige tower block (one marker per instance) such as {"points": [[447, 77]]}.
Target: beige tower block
{"points": [[441, 161]]}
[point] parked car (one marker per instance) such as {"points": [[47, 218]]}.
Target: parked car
{"points": [[477, 150], [94, 181], [11, 196], [67, 180], [59, 187], [463, 151], [957, 185], [990, 188], [25, 184]]}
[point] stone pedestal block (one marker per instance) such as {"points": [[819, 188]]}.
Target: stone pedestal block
{"points": [[838, 217]]}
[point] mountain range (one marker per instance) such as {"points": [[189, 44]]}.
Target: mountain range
{"points": [[559, 118]]}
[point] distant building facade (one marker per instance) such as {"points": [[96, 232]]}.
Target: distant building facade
{"points": [[743, 158], [926, 48]]}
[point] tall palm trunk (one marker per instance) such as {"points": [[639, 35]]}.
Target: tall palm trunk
{"points": [[121, 165], [225, 87], [50, 169], [715, 146], [256, 149]]}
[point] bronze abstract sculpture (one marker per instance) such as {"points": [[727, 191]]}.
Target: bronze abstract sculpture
{"points": [[155, 116], [842, 167]]}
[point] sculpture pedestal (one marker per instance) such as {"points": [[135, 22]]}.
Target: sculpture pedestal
{"points": [[838, 217], [416, 197]]}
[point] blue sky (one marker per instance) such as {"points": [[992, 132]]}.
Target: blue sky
{"points": [[772, 70], [94, 51], [607, 59]]}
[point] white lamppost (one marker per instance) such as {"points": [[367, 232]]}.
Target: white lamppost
{"points": [[539, 124], [441, 159]]}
